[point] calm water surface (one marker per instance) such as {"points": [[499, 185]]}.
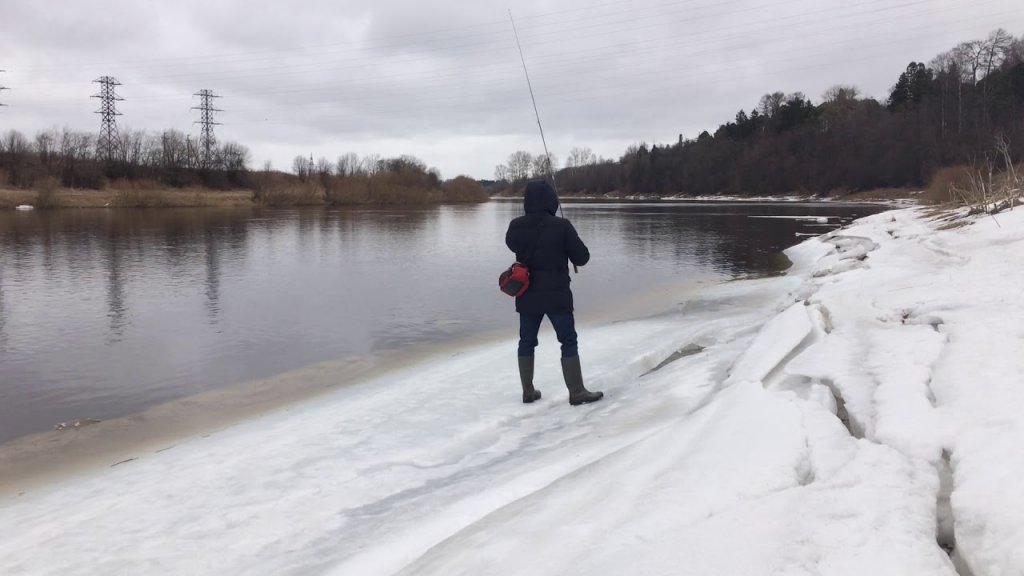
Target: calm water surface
{"points": [[106, 312]]}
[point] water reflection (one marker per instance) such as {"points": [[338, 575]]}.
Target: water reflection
{"points": [[104, 312], [117, 309], [726, 238], [212, 283], [3, 318]]}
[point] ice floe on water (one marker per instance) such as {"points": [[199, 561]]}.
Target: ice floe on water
{"points": [[859, 415]]}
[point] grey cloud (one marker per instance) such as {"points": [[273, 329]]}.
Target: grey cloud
{"points": [[325, 77]]}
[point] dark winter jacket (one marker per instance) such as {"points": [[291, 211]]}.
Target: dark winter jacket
{"points": [[557, 245]]}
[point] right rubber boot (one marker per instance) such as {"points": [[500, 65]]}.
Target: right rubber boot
{"points": [[573, 375], [530, 394]]}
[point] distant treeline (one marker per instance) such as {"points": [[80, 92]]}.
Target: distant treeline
{"points": [[371, 180], [945, 113], [76, 159]]}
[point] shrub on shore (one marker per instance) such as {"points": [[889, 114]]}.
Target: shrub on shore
{"points": [[463, 189], [279, 189], [944, 180], [992, 185], [402, 187], [46, 192], [138, 194]]}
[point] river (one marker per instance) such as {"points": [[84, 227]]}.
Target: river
{"points": [[104, 313]]}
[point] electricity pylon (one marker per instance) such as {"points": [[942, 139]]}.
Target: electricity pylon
{"points": [[108, 111], [207, 141]]}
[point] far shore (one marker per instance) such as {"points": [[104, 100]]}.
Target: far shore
{"points": [[65, 198], [900, 196], [11, 198], [121, 198]]}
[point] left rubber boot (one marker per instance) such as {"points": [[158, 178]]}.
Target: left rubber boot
{"points": [[573, 375], [530, 394]]}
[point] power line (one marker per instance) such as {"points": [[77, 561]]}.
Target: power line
{"points": [[544, 19], [108, 111], [437, 88], [579, 56], [613, 95], [492, 42], [435, 85], [207, 141], [437, 79], [2, 88]]}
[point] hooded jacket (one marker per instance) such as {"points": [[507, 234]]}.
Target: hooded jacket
{"points": [[557, 244]]}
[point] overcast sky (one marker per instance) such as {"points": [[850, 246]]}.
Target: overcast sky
{"points": [[442, 80]]}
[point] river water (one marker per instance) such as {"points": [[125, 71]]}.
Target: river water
{"points": [[106, 312]]}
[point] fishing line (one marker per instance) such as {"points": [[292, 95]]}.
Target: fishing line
{"points": [[547, 155]]}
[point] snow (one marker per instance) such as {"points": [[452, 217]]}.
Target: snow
{"points": [[847, 418], [815, 219]]}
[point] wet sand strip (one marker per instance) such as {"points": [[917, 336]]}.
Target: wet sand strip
{"points": [[38, 459], [35, 460]]}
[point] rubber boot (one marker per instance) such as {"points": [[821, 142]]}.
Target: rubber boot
{"points": [[530, 394], [573, 375]]}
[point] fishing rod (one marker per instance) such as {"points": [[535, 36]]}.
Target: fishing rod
{"points": [[547, 155]]}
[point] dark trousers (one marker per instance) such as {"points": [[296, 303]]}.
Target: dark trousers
{"points": [[565, 329]]}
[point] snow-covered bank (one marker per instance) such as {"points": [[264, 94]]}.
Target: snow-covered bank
{"points": [[811, 434], [899, 201]]}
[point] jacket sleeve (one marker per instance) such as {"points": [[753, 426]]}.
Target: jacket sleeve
{"points": [[511, 241], [574, 247]]}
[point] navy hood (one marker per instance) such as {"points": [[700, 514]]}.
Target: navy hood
{"points": [[540, 197]]}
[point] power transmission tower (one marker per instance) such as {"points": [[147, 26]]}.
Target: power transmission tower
{"points": [[108, 111], [2, 88], [207, 141]]}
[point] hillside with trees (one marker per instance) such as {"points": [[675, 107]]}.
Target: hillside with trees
{"points": [[947, 112]]}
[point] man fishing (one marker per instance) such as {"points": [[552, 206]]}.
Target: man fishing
{"points": [[546, 244]]}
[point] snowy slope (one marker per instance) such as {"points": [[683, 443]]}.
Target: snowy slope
{"points": [[819, 430]]}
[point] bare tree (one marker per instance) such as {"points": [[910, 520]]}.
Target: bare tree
{"points": [[968, 58], [579, 157], [1015, 53], [544, 164], [841, 94], [45, 144], [130, 146], [193, 153], [347, 165], [174, 149], [519, 164], [770, 104], [234, 157], [371, 164], [994, 50], [324, 168], [15, 143], [960, 64], [302, 167], [75, 146]]}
